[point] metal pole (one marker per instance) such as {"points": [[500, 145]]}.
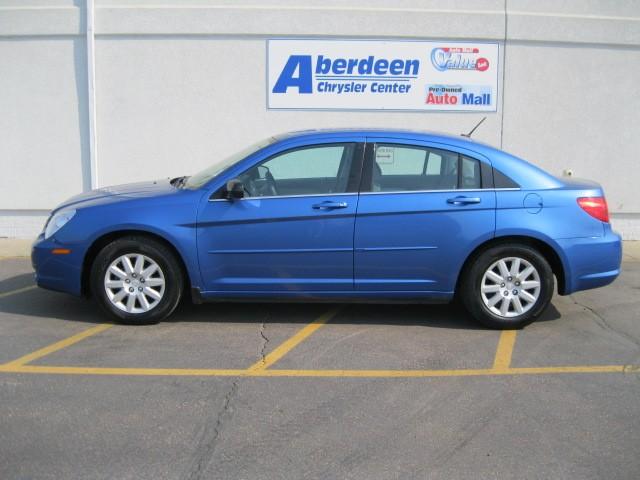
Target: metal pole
{"points": [[91, 93]]}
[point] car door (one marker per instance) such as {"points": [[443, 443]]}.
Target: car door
{"points": [[293, 230], [422, 209]]}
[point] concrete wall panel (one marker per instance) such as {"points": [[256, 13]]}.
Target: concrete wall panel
{"points": [[569, 107], [181, 85], [43, 100]]}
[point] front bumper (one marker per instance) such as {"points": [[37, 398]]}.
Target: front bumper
{"points": [[591, 262], [62, 273]]}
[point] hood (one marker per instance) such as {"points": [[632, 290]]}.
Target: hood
{"points": [[119, 193]]}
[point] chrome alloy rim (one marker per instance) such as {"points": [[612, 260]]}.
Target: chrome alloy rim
{"points": [[134, 283], [510, 287]]}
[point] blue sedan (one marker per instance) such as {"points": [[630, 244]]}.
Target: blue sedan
{"points": [[340, 215]]}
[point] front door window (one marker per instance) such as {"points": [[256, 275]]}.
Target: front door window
{"points": [[316, 170]]}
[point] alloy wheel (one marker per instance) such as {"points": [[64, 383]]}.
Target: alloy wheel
{"points": [[134, 283], [510, 287]]}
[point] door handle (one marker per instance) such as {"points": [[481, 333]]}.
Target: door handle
{"points": [[461, 200], [329, 205]]}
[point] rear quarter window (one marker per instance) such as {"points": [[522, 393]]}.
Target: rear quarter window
{"points": [[500, 180]]}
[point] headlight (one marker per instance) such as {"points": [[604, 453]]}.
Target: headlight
{"points": [[57, 221]]}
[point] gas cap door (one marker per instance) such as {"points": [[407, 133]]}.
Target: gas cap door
{"points": [[532, 203]]}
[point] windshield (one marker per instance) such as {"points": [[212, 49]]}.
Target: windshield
{"points": [[200, 178]]}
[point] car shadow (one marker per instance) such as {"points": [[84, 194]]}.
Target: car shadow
{"points": [[16, 282], [47, 304]]}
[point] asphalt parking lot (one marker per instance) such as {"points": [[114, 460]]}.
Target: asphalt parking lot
{"points": [[265, 391]]}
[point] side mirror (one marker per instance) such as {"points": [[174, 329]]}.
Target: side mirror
{"points": [[235, 189]]}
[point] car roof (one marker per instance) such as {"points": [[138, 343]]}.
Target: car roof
{"points": [[523, 172], [407, 134], [392, 132]]}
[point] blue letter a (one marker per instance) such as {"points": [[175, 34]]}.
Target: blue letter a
{"points": [[302, 63]]}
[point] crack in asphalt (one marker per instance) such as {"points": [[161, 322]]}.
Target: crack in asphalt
{"points": [[264, 339], [209, 437], [471, 430], [605, 325]]}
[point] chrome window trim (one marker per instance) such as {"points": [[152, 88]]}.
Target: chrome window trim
{"points": [[395, 192], [285, 196], [452, 190]]}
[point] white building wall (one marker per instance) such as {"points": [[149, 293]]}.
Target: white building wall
{"points": [[181, 85]]}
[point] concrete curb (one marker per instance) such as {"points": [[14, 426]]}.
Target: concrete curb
{"points": [[15, 247], [631, 250]]}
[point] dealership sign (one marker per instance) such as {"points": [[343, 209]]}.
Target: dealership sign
{"points": [[382, 75]]}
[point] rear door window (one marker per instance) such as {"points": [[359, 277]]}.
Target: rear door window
{"points": [[470, 177], [401, 168]]}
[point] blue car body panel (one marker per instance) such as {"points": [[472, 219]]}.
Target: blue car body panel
{"points": [[155, 208], [418, 241], [277, 244], [379, 245], [391, 256]]}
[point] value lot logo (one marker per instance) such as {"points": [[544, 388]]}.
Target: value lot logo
{"points": [[458, 58], [381, 75]]}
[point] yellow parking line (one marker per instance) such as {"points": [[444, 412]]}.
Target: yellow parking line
{"points": [[18, 290], [445, 373], [289, 344], [501, 365], [188, 372], [504, 351], [182, 372], [573, 369], [57, 346]]}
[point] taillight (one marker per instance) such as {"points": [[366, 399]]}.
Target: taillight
{"points": [[596, 207]]}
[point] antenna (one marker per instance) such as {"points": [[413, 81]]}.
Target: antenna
{"points": [[468, 135]]}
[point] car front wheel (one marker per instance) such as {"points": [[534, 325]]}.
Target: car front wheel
{"points": [[507, 287], [137, 280]]}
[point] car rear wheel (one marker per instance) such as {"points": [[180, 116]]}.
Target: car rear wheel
{"points": [[137, 280], [507, 286]]}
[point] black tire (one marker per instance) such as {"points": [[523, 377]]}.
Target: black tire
{"points": [[161, 255], [471, 282]]}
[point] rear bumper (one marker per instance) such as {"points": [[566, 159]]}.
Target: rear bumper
{"points": [[62, 273], [591, 262]]}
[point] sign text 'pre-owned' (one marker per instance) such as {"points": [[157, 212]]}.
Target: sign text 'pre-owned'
{"points": [[382, 75]]}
